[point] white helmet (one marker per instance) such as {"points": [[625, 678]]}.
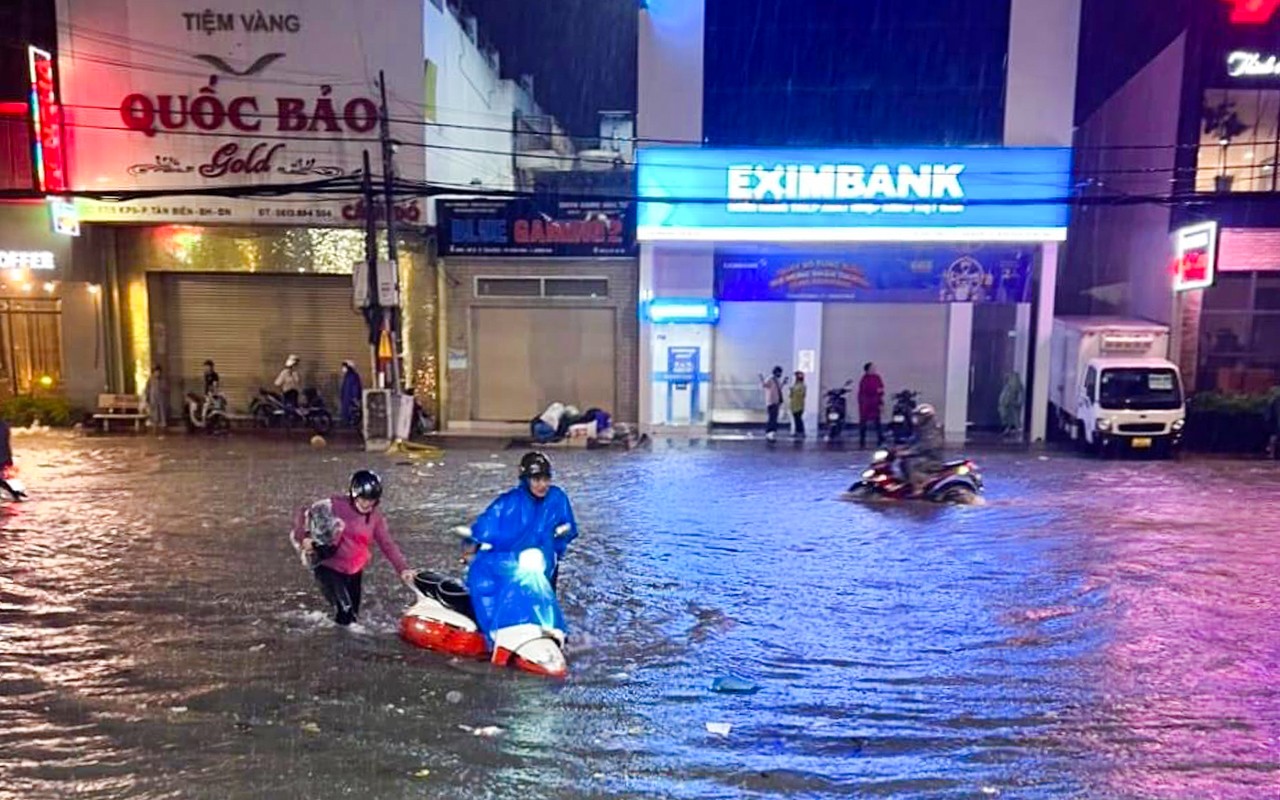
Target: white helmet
{"points": [[925, 412], [291, 361]]}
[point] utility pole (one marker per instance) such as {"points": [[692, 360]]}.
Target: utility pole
{"points": [[388, 189], [373, 312]]}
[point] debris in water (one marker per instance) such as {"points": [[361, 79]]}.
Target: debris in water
{"points": [[488, 731], [422, 773], [257, 648], [310, 727], [732, 684], [454, 697], [178, 709], [719, 728]]}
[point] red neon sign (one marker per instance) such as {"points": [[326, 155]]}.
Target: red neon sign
{"points": [[46, 119], [1252, 12]]}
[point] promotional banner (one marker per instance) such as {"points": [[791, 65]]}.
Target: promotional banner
{"points": [[233, 94], [879, 275], [791, 195], [538, 228]]}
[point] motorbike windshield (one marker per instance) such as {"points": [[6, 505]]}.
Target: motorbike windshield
{"points": [[1140, 389]]}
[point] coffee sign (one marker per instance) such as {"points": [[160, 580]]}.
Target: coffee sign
{"points": [[240, 94]]}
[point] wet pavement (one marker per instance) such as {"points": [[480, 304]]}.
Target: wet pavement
{"points": [[1099, 630]]}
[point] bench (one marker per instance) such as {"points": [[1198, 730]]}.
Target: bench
{"points": [[119, 407]]}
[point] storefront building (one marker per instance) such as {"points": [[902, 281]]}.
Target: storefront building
{"points": [[1190, 121], [926, 262], [157, 98], [540, 307], [795, 214], [50, 316]]}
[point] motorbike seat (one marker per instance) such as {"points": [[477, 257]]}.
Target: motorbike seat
{"points": [[449, 592], [953, 464]]}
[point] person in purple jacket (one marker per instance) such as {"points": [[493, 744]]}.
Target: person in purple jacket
{"points": [[336, 538]]}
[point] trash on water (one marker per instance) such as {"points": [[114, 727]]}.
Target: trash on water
{"points": [[454, 697], [719, 728], [732, 684], [310, 727], [422, 773], [487, 731]]}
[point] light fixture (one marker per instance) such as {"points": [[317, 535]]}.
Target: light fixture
{"points": [[46, 381], [682, 310], [1248, 156], [26, 287], [49, 286], [94, 288]]}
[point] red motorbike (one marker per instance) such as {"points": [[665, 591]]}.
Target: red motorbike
{"points": [[957, 482]]}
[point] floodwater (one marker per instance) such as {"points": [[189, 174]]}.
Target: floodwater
{"points": [[1096, 630]]}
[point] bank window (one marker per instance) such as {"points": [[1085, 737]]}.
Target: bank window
{"points": [[1239, 137], [1230, 292]]}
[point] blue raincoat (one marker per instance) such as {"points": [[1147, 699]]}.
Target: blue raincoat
{"points": [[508, 588], [351, 393]]}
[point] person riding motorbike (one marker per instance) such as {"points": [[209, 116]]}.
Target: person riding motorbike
{"points": [[923, 455], [525, 518]]}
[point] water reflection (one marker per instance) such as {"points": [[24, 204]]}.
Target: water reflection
{"points": [[1095, 630]]}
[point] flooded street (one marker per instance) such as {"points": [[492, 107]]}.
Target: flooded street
{"points": [[1095, 630]]}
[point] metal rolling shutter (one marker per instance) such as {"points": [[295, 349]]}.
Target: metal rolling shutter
{"points": [[249, 323], [751, 338], [528, 358]]}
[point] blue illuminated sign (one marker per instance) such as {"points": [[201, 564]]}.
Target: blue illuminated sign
{"points": [[919, 194], [695, 311]]}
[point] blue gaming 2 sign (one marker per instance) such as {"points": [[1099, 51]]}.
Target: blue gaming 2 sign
{"points": [[978, 194]]}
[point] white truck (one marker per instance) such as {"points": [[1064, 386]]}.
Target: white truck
{"points": [[1112, 386]]}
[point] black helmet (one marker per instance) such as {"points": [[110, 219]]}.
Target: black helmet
{"points": [[535, 465], [367, 485]]}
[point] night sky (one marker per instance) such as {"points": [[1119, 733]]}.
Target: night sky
{"points": [[582, 53]]}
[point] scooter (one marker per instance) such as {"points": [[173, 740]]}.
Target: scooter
{"points": [[270, 411], [531, 635], [208, 413], [902, 425], [957, 482], [836, 411], [11, 483]]}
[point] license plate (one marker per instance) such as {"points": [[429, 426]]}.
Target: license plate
{"points": [[1142, 442]]}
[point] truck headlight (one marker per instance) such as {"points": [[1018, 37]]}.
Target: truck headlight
{"points": [[1178, 424], [1104, 424]]}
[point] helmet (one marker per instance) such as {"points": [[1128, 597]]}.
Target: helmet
{"points": [[366, 485], [925, 412], [535, 465], [291, 361]]}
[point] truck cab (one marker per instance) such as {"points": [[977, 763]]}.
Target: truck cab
{"points": [[1132, 404]]}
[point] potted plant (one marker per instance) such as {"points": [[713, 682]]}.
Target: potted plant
{"points": [[1223, 123]]}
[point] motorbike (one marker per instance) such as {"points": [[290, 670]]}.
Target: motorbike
{"points": [[207, 413], [958, 482], [11, 483], [269, 410], [529, 627], [836, 411], [902, 425]]}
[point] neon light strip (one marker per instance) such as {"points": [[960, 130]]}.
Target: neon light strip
{"points": [[32, 53], [657, 233]]}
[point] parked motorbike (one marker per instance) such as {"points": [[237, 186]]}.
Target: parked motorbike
{"points": [[836, 411], [531, 635], [902, 426], [269, 410], [957, 482], [207, 413]]}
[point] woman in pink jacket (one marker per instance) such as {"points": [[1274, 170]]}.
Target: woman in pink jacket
{"points": [[335, 537]]}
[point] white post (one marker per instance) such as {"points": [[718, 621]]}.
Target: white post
{"points": [[644, 381], [808, 338], [959, 361], [1039, 398]]}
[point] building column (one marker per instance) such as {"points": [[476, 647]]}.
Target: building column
{"points": [[807, 339], [1039, 397], [645, 410], [959, 362]]}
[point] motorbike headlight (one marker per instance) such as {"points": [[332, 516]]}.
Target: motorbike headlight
{"points": [[881, 455], [963, 470], [1178, 424], [1104, 424]]}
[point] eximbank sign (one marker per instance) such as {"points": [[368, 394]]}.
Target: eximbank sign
{"points": [[922, 194]]}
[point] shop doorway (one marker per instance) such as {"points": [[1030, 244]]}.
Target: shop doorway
{"points": [[993, 357], [30, 345]]}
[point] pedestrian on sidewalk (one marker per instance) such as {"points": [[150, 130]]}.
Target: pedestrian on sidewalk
{"points": [[1011, 399], [870, 404], [1273, 424], [156, 395], [350, 395], [773, 386], [798, 394]]}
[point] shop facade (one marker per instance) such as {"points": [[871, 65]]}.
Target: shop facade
{"points": [[540, 303], [50, 314], [938, 265], [211, 107]]}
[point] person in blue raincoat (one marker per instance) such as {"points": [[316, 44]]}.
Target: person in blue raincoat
{"points": [[350, 394], [534, 516]]}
